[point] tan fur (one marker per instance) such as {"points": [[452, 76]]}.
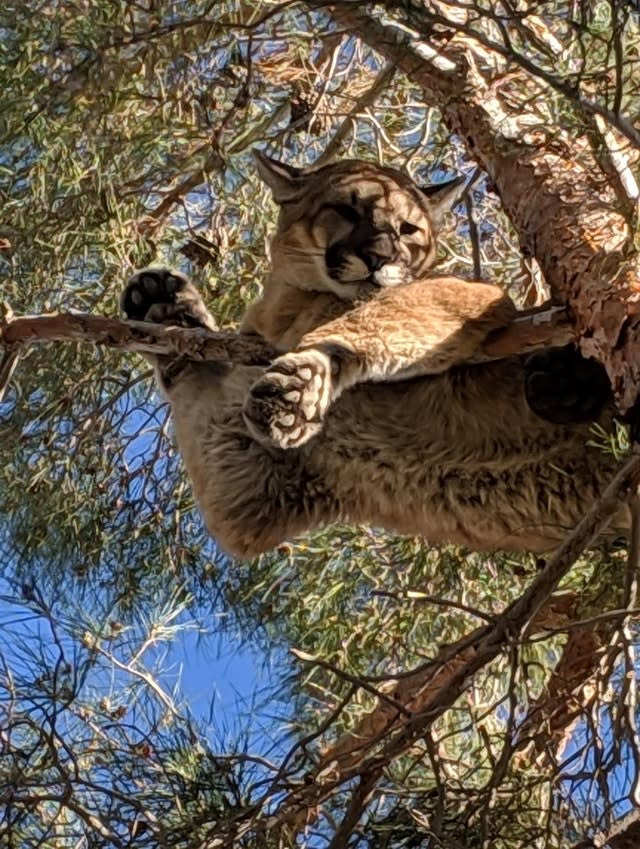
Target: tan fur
{"points": [[456, 458], [454, 455], [298, 294]]}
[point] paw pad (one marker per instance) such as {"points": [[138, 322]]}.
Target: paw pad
{"points": [[288, 404], [165, 297]]}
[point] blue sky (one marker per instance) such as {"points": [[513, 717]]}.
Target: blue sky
{"points": [[223, 683]]}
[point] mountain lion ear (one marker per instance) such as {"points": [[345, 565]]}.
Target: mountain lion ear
{"points": [[285, 181], [443, 196]]}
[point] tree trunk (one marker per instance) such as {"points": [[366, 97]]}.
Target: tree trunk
{"points": [[551, 186]]}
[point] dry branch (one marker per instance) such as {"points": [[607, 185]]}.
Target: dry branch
{"points": [[139, 336], [531, 330]]}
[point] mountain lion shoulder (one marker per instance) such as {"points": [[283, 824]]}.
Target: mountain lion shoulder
{"points": [[370, 414]]}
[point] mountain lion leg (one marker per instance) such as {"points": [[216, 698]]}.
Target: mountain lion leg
{"points": [[251, 496], [162, 296], [421, 328], [288, 404]]}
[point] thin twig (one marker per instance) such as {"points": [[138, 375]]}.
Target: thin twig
{"points": [[417, 597], [7, 367], [380, 83], [474, 235]]}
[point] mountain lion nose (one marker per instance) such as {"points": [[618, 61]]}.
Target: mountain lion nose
{"points": [[375, 261], [379, 252]]}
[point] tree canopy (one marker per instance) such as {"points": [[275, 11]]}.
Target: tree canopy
{"points": [[421, 697]]}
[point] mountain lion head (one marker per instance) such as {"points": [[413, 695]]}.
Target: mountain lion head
{"points": [[345, 231], [351, 224]]}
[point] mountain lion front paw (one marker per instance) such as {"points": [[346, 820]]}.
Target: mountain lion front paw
{"points": [[164, 296], [288, 404]]}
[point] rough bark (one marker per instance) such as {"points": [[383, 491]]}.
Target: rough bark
{"points": [[547, 727], [551, 186]]}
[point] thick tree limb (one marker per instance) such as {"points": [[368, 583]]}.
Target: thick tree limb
{"points": [[547, 727], [593, 646], [551, 186]]}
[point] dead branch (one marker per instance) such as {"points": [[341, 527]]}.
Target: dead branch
{"points": [[139, 336], [533, 329]]}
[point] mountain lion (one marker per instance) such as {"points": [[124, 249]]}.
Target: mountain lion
{"points": [[371, 415]]}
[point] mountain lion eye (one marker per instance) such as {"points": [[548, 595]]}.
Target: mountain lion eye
{"points": [[407, 229], [347, 212]]}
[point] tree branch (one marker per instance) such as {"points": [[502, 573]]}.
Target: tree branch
{"points": [[531, 330], [550, 718], [142, 337]]}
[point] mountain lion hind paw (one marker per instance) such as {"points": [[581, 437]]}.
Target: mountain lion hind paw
{"points": [[164, 296], [286, 407]]}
